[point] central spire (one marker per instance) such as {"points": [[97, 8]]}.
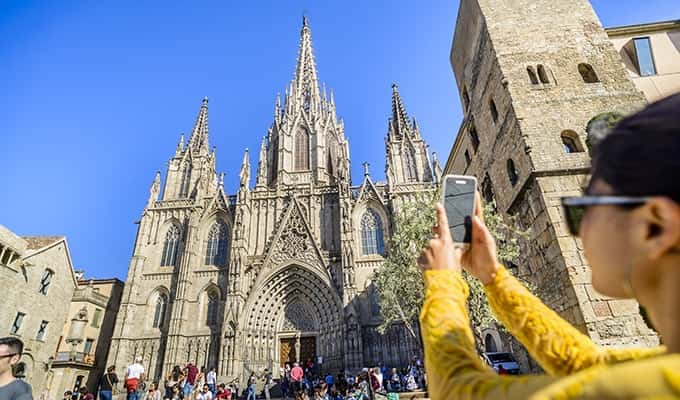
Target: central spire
{"points": [[306, 83], [199, 135]]}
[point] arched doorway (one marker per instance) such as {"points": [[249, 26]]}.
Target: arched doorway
{"points": [[294, 315]]}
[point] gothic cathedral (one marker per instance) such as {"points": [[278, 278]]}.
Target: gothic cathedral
{"points": [[278, 272]]}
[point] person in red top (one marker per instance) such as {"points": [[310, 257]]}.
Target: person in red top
{"points": [[223, 392], [296, 375]]}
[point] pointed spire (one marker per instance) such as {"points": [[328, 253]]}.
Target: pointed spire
{"points": [[180, 145], [262, 165], [244, 175], [366, 165], [436, 168], [154, 190], [306, 82], [220, 182], [415, 128], [199, 135], [277, 107], [399, 116]]}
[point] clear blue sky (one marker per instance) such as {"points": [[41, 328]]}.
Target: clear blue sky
{"points": [[93, 95]]}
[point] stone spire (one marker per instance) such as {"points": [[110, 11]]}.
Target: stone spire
{"points": [[399, 118], [306, 83], [244, 175], [199, 135], [180, 145], [155, 190], [262, 165]]}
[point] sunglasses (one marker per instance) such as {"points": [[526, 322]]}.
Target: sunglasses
{"points": [[575, 208]]}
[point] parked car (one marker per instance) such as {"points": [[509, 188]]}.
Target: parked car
{"points": [[506, 360]]}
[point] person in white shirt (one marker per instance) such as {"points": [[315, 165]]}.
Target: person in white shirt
{"points": [[204, 394], [133, 376], [211, 381]]}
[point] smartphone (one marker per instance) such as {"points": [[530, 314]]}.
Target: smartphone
{"points": [[458, 198]]}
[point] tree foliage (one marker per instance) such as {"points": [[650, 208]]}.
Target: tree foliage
{"points": [[399, 282]]}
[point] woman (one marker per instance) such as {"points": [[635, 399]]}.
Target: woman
{"points": [[629, 223], [153, 393]]}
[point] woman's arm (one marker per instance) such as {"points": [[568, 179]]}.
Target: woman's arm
{"points": [[560, 348], [454, 369]]}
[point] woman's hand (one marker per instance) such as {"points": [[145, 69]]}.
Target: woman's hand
{"points": [[480, 260], [440, 252]]}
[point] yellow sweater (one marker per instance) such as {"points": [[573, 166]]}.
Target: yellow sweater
{"points": [[576, 367]]}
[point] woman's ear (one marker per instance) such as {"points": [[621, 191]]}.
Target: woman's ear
{"points": [[661, 217]]}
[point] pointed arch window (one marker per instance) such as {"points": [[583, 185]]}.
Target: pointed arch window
{"points": [[571, 142], [587, 73], [45, 281], [532, 75], [302, 150], [372, 241], [474, 137], [274, 167], [410, 166], [211, 309], [217, 245], [160, 311], [186, 181], [466, 99], [513, 176], [170, 247], [542, 74], [493, 110]]}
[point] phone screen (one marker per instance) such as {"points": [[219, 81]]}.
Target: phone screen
{"points": [[459, 203]]}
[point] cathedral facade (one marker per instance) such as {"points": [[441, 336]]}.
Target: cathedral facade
{"points": [[278, 272]]}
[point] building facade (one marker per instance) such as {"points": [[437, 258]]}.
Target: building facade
{"points": [[530, 82], [82, 349], [651, 55], [39, 281], [278, 272]]}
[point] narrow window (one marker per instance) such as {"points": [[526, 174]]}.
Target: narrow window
{"points": [[474, 137], [302, 150], [542, 74], [186, 181], [410, 168], [170, 247], [159, 313], [490, 344], [216, 247], [588, 73], [468, 159], [494, 110], [512, 172], [372, 233], [466, 99], [274, 168], [644, 57], [571, 142], [41, 331], [88, 345], [96, 319], [211, 314], [532, 75], [18, 320], [45, 281], [487, 189]]}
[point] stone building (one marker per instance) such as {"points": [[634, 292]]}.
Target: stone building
{"points": [[277, 272], [651, 55], [82, 350], [531, 74], [38, 281]]}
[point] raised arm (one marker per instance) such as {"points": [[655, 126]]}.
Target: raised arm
{"points": [[560, 348]]}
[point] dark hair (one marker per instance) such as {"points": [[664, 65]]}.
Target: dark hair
{"points": [[111, 368], [641, 157], [13, 343]]}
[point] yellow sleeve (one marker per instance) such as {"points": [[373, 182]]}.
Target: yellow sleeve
{"points": [[454, 369], [560, 348]]}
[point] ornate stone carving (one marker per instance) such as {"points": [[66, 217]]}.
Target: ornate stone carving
{"points": [[298, 318], [294, 241]]}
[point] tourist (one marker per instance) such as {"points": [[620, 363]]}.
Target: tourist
{"points": [[379, 377], [223, 392], [250, 388], [12, 388], [134, 375], [296, 375], [211, 380], [107, 383], [200, 378], [84, 394], [329, 379], [176, 393], [204, 393], [68, 395], [153, 393], [629, 224], [285, 385], [172, 379], [190, 373], [268, 383]]}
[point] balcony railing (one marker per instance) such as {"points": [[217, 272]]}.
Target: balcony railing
{"points": [[74, 357]]}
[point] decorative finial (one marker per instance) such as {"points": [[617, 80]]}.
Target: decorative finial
{"points": [[366, 164], [305, 22], [394, 86], [205, 101], [221, 181]]}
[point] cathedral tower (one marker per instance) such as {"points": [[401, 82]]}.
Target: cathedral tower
{"points": [[531, 74]]}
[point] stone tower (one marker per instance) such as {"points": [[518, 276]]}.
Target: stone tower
{"points": [[278, 272], [531, 74]]}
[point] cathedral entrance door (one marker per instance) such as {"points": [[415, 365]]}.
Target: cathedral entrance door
{"points": [[297, 349], [308, 349], [288, 351]]}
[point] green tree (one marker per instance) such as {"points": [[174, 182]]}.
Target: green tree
{"points": [[399, 282]]}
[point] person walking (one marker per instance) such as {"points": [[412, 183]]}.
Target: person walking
{"points": [[153, 393], [250, 391], [211, 380], [107, 384], [629, 224], [134, 376], [190, 373], [204, 393], [296, 375], [268, 383], [12, 388]]}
